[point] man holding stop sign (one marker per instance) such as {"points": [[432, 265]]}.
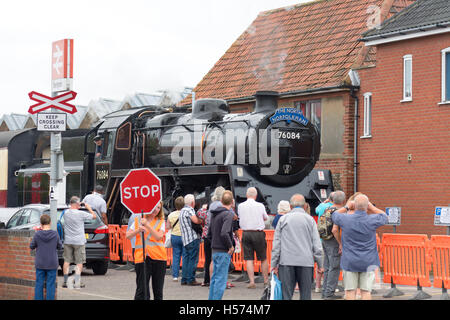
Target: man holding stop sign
{"points": [[141, 194]]}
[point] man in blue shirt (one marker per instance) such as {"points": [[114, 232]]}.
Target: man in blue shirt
{"points": [[359, 245], [320, 209]]}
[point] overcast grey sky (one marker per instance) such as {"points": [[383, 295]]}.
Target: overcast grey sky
{"points": [[120, 47]]}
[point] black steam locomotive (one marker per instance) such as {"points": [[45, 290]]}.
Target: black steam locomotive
{"points": [[193, 150]]}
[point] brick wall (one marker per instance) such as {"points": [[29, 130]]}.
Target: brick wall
{"points": [[17, 272], [419, 128]]}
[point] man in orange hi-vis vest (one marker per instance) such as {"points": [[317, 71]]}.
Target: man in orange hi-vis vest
{"points": [[153, 226]]}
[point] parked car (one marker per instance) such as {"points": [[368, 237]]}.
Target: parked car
{"points": [[97, 245]]}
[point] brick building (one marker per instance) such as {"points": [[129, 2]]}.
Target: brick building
{"points": [[403, 128], [306, 52]]}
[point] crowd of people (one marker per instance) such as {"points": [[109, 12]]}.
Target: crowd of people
{"points": [[343, 238], [347, 243]]}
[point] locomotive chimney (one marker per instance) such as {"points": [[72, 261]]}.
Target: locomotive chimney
{"points": [[266, 101]]}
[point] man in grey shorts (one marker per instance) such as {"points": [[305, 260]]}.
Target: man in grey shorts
{"points": [[75, 239], [359, 245], [252, 215]]}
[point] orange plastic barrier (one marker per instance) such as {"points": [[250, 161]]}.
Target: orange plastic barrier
{"points": [[201, 256], [114, 242], [269, 240], [127, 250], [406, 259], [440, 251], [379, 250]]}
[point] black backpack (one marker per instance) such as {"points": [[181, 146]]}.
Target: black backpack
{"points": [[196, 227], [325, 224]]}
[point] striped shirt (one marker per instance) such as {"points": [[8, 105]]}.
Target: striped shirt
{"points": [[187, 233]]}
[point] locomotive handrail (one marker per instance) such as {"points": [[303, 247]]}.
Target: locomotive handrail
{"points": [[191, 124]]}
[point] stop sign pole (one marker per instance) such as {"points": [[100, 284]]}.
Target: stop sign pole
{"points": [[140, 192]]}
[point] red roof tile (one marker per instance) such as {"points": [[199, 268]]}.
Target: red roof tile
{"points": [[295, 48]]}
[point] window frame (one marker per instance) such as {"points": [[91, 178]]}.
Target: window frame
{"points": [[129, 136], [444, 80], [367, 116], [407, 58], [311, 106]]}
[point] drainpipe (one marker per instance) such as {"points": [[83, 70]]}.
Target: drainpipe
{"points": [[355, 142]]}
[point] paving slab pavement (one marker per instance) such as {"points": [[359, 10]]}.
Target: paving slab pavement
{"points": [[121, 284]]}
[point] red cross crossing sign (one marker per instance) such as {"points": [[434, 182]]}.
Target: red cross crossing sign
{"points": [[58, 102]]}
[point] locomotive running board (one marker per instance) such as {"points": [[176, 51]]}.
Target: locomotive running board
{"points": [[179, 171]]}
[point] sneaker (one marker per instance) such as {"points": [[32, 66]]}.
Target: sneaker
{"points": [[317, 290], [334, 297], [64, 285], [175, 279]]}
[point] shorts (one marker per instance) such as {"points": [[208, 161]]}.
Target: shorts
{"points": [[361, 280], [254, 241], [74, 253]]}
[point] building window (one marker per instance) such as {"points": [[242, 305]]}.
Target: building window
{"points": [[446, 75], [367, 115], [312, 110], [407, 78]]}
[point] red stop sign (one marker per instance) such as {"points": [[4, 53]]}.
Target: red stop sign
{"points": [[140, 190]]}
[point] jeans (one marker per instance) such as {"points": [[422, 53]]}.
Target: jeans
{"points": [[331, 263], [190, 261], [290, 275], [177, 249], [221, 263], [208, 252], [41, 275]]}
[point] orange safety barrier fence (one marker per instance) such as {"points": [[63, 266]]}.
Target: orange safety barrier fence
{"points": [[114, 242], [127, 250], [379, 250], [406, 259], [118, 243], [201, 256], [440, 251]]}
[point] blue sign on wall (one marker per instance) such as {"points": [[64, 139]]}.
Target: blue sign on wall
{"points": [[442, 216]]}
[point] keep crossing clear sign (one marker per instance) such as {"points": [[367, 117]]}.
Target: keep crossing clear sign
{"points": [[51, 121]]}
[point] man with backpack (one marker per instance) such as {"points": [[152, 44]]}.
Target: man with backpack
{"points": [[191, 241], [332, 247]]}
